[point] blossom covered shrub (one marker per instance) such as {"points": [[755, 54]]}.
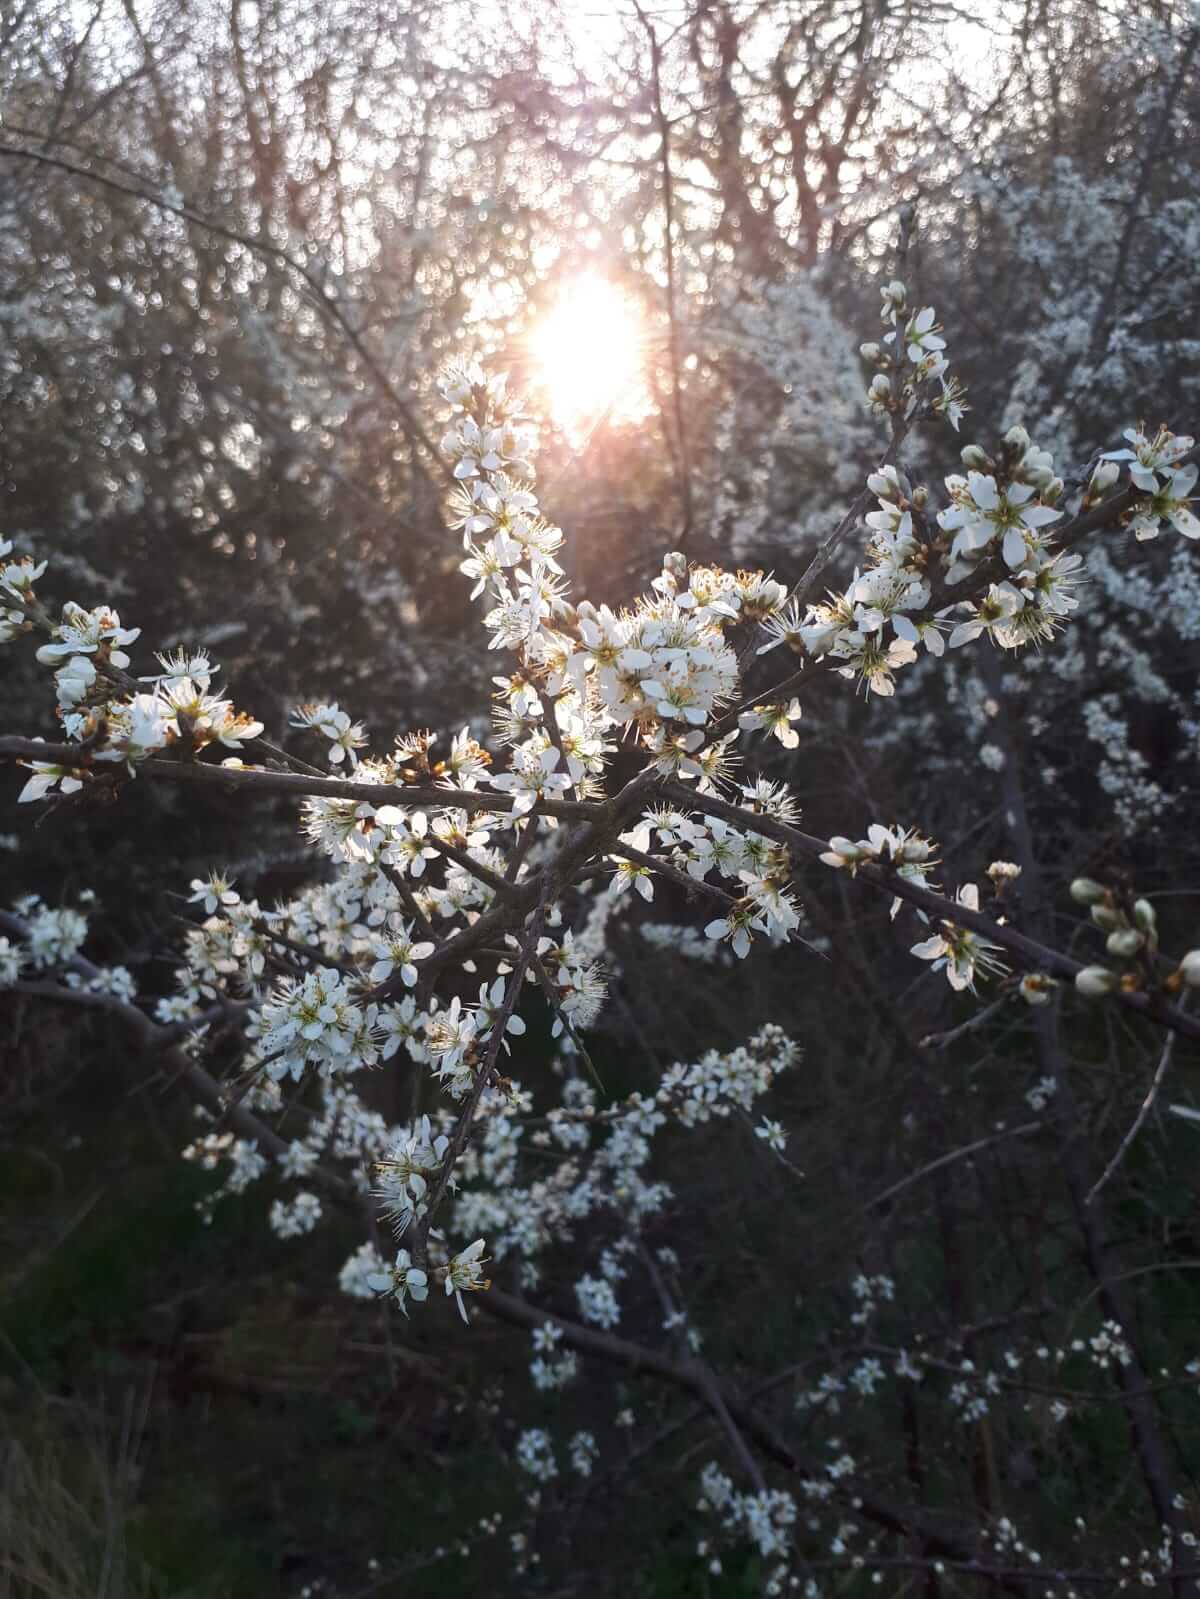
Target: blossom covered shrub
{"points": [[475, 883]]}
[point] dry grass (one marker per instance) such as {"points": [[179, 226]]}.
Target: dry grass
{"points": [[68, 1484]]}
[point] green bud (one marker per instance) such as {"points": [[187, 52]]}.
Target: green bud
{"points": [[1086, 891], [1189, 968], [1093, 982], [1143, 915], [1125, 942], [1107, 919], [975, 459]]}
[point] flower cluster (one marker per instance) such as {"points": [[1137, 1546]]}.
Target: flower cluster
{"points": [[957, 950], [345, 737], [403, 1174], [910, 357], [317, 1020], [764, 1519], [1130, 926], [1156, 468], [759, 866], [98, 702], [662, 668]]}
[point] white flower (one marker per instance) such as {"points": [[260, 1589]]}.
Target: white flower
{"points": [[298, 1159], [844, 853], [584, 1452], [1041, 1092], [18, 577], [633, 873], [10, 963], [774, 719], [148, 723], [213, 892], [316, 1020], [464, 1274], [89, 632], [951, 403], [398, 949], [400, 1280], [182, 664], [47, 776], [1151, 457], [958, 950], [784, 627], [1003, 872], [1169, 504], [489, 1008], [981, 511], [597, 1302], [115, 980], [74, 681], [928, 632], [301, 1216], [535, 1455], [1001, 603], [533, 776], [345, 737], [773, 1134], [735, 927], [355, 1277], [920, 336]]}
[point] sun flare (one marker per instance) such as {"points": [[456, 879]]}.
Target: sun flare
{"points": [[587, 354]]}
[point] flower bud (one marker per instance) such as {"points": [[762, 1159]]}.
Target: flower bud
{"points": [[888, 485], [894, 293], [974, 458], [1103, 478], [1016, 438], [1107, 919], [881, 386], [1052, 492], [920, 497], [1125, 942], [1189, 968], [1087, 891], [1036, 988], [869, 352], [1144, 916], [1093, 982]]}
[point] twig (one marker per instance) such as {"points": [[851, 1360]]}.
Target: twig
{"points": [[953, 1034], [668, 183], [1023, 1131], [1156, 1082]]}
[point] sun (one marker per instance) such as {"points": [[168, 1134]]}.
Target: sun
{"points": [[588, 354]]}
